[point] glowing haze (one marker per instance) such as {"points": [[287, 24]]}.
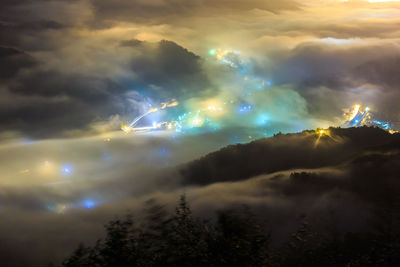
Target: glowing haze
{"points": [[95, 65], [181, 78]]}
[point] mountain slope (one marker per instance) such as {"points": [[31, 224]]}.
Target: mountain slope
{"points": [[306, 150]]}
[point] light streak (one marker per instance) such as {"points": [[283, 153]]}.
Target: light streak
{"points": [[130, 128], [170, 104], [137, 119], [364, 117], [354, 112], [144, 129]]}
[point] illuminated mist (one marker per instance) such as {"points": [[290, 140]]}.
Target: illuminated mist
{"points": [[103, 104]]}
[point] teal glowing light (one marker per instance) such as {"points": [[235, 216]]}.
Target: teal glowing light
{"points": [[262, 119], [212, 52]]}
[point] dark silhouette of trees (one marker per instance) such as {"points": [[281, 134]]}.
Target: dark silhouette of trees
{"points": [[234, 238]]}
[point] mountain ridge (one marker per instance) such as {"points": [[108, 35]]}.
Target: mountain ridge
{"points": [[308, 149]]}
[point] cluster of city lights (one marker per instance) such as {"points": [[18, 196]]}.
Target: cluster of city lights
{"points": [[358, 116], [214, 113]]}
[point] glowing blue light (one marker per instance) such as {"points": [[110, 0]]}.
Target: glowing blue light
{"points": [[268, 83], [89, 204], [244, 108], [66, 169]]}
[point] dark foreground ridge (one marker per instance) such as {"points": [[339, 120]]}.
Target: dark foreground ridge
{"points": [[305, 150]]}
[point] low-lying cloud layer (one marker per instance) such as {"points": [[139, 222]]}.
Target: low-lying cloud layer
{"points": [[62, 191]]}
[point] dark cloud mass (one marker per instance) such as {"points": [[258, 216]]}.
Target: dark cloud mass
{"points": [[49, 96], [169, 70], [60, 101], [12, 61]]}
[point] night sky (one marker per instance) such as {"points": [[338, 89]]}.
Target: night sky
{"points": [[213, 73]]}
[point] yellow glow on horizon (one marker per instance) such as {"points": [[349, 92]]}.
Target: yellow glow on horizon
{"points": [[382, 1], [372, 1]]}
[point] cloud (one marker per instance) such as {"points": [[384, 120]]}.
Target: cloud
{"points": [[168, 70], [13, 61], [322, 68], [167, 11], [80, 68], [348, 174], [43, 103], [331, 76]]}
